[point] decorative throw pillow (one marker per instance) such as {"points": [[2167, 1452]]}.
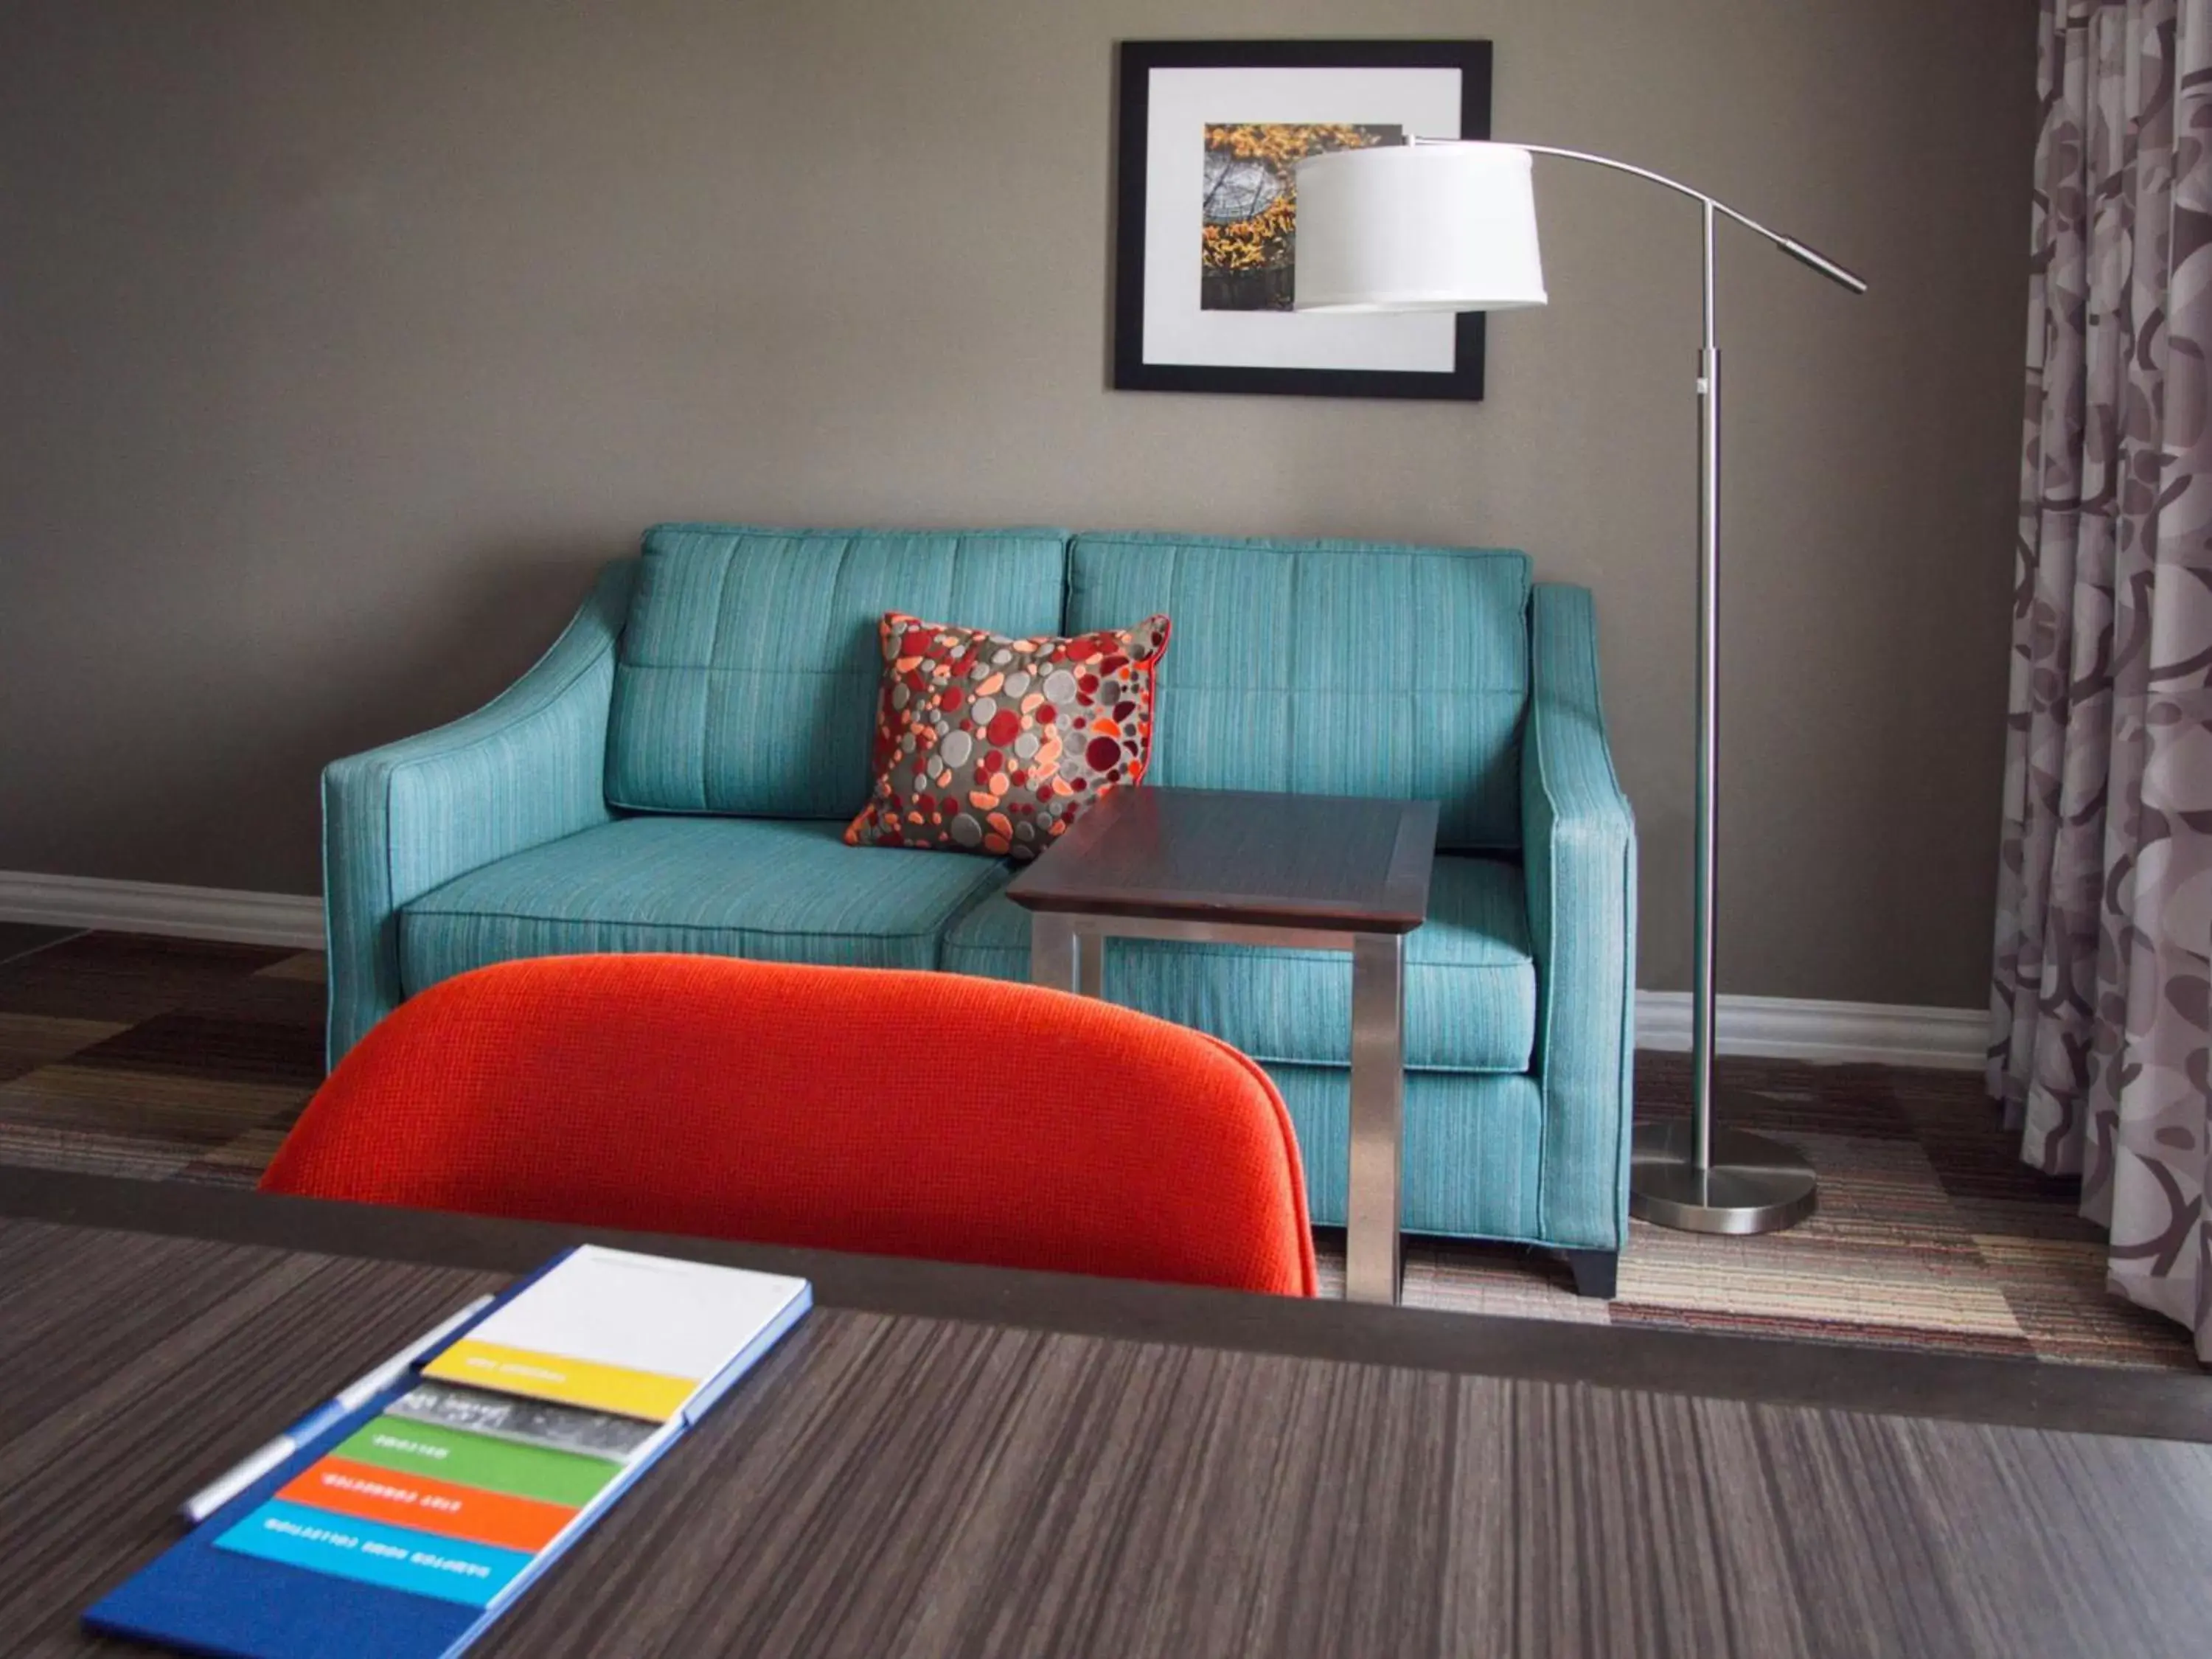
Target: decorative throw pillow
{"points": [[988, 745]]}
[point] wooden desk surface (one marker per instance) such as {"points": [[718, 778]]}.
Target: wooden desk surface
{"points": [[1230, 856], [893, 1483]]}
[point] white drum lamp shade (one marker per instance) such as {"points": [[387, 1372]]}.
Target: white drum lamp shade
{"points": [[1417, 227]]}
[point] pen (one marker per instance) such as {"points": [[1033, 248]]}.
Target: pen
{"points": [[350, 1399]]}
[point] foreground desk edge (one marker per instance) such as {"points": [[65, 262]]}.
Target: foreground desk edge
{"points": [[2026, 1393]]}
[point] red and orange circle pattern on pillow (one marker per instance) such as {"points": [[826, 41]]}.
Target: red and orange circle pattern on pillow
{"points": [[988, 745]]}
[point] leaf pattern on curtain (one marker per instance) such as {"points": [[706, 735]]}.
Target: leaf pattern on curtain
{"points": [[2102, 992]]}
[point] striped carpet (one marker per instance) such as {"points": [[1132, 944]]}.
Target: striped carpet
{"points": [[177, 1060]]}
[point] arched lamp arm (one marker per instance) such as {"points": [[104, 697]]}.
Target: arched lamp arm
{"points": [[1790, 244]]}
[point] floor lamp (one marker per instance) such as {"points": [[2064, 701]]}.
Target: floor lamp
{"points": [[1451, 225]]}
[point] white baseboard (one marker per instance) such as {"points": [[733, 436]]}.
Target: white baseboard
{"points": [[152, 907], [1790, 1028], [1782, 1027]]}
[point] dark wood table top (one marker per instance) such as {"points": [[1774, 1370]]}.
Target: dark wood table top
{"points": [[963, 1460], [1239, 856]]}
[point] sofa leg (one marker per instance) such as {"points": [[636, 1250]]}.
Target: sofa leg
{"points": [[1597, 1273]]}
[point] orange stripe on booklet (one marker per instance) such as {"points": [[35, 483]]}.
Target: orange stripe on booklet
{"points": [[369, 1493]]}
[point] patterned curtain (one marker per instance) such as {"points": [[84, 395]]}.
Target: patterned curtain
{"points": [[2104, 906]]}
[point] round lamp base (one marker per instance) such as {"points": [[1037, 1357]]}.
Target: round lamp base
{"points": [[1753, 1185]]}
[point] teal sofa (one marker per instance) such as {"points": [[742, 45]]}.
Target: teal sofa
{"points": [[676, 773]]}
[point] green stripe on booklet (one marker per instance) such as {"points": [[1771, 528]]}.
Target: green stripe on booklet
{"points": [[476, 1460]]}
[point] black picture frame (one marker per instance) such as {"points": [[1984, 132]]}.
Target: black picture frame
{"points": [[1137, 60]]}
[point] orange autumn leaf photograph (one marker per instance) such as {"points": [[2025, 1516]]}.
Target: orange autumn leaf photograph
{"points": [[1250, 206]]}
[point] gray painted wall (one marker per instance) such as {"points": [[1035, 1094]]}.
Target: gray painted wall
{"points": [[339, 341]]}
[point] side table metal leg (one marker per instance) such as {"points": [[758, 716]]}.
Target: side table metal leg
{"points": [[1090, 956], [1378, 1098], [1052, 951]]}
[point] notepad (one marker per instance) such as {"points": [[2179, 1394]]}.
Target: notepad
{"points": [[634, 1334], [423, 1514]]}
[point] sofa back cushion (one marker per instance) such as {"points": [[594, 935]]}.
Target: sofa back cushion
{"points": [[746, 681], [1331, 667]]}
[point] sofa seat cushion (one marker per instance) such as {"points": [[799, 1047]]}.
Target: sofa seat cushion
{"points": [[762, 888], [1470, 979]]}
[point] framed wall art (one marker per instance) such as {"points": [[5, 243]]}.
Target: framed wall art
{"points": [[1206, 232]]}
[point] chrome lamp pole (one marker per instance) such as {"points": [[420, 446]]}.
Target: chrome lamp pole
{"points": [[1449, 225]]}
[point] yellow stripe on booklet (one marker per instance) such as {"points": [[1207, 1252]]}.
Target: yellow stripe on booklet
{"points": [[605, 1330], [615, 1388]]}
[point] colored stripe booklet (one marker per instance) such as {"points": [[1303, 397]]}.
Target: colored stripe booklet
{"points": [[404, 1526]]}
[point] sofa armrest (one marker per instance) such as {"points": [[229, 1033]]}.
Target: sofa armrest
{"points": [[528, 767], [1578, 840]]}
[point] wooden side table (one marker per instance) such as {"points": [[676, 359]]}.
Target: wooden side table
{"points": [[1229, 866]]}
